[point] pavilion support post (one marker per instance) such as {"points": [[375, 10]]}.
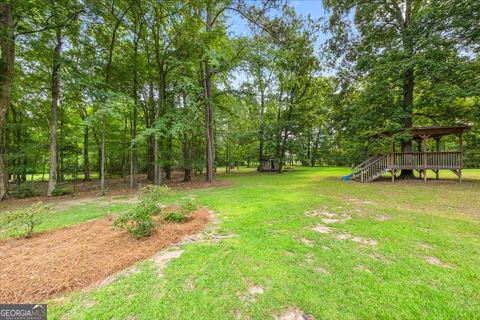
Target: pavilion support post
{"points": [[461, 158], [424, 150]]}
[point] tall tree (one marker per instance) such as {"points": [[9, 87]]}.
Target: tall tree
{"points": [[391, 46], [55, 92], [7, 63]]}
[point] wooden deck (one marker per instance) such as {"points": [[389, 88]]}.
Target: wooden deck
{"points": [[425, 160], [392, 162]]}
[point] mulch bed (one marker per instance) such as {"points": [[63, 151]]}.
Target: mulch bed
{"points": [[71, 258]]}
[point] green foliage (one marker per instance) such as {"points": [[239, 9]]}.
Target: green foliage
{"points": [[23, 222], [188, 207], [25, 190], [180, 214], [153, 192], [176, 216], [138, 220], [61, 189]]}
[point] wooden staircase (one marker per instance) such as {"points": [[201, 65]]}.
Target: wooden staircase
{"points": [[371, 169]]}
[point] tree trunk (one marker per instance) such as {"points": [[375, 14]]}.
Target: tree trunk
{"points": [[17, 141], [123, 166], [408, 84], [150, 120], [186, 149], [278, 134], [7, 62], [207, 86], [261, 133], [86, 160], [133, 150], [284, 139], [315, 148], [168, 165], [52, 177], [107, 84], [309, 155]]}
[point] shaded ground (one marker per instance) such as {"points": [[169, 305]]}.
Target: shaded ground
{"points": [[115, 187], [71, 258]]}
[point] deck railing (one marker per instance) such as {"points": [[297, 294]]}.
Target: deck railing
{"points": [[425, 160]]}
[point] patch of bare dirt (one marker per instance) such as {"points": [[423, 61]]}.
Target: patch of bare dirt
{"points": [[75, 257], [161, 259], [251, 296], [425, 245], [379, 257], [360, 202], [320, 212], [322, 270], [364, 241], [308, 242], [320, 228], [383, 218], [293, 314], [309, 258], [254, 290], [362, 268], [340, 219], [437, 262]]}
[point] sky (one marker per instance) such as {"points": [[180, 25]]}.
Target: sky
{"points": [[314, 8], [238, 26]]}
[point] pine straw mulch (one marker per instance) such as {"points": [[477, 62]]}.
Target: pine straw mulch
{"points": [[71, 258]]}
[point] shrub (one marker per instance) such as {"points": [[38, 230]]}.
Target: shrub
{"points": [[181, 214], [176, 216], [154, 192], [25, 190], [23, 222], [138, 220], [189, 207], [61, 189]]}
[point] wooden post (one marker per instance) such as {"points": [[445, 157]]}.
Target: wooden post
{"points": [[437, 140], [461, 158], [424, 150]]}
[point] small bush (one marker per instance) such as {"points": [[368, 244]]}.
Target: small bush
{"points": [[138, 220], [25, 190], [180, 215], [154, 192], [189, 207], [61, 190], [23, 222], [176, 216]]}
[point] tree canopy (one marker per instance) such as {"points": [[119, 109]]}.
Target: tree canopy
{"points": [[94, 89]]}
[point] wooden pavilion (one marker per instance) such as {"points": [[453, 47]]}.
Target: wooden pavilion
{"points": [[421, 161]]}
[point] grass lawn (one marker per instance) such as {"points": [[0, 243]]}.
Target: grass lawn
{"points": [[60, 217], [379, 270]]}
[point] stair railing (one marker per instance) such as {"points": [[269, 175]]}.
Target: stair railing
{"points": [[357, 170], [374, 169]]}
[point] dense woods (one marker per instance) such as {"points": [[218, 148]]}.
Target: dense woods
{"points": [[95, 89]]}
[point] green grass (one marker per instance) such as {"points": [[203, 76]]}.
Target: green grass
{"points": [[266, 212], [59, 218]]}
